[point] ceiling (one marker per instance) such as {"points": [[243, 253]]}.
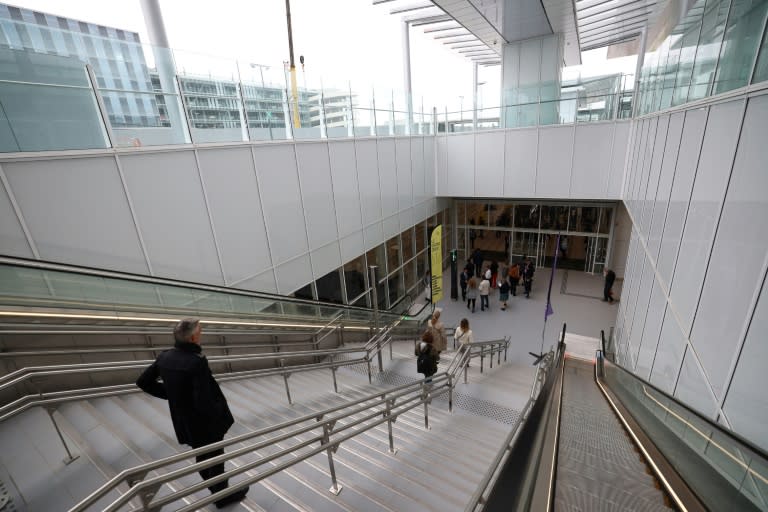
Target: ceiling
{"points": [[477, 29]]}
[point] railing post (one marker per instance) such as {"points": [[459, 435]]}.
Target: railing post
{"points": [[368, 360], [335, 485], [498, 356], [506, 346], [388, 414], [424, 395], [285, 379], [374, 297], [147, 494], [378, 353], [390, 348], [69, 458], [490, 358], [341, 335], [482, 358], [333, 371], [450, 393]]}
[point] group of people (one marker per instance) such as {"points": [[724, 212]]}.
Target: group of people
{"points": [[434, 341], [495, 276]]}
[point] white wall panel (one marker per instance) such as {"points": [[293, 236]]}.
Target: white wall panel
{"points": [[233, 197], [692, 388], [279, 180], [76, 212], [373, 235], [325, 259], [264, 282], [418, 170], [669, 161], [618, 157], [387, 176], [650, 341], [693, 133], [739, 251], [489, 164], [404, 176], [317, 192], [654, 174], [461, 166], [746, 404], [669, 355], [368, 179], [441, 146], [520, 156], [352, 246], [591, 160], [712, 176], [644, 176], [406, 219], [293, 275], [554, 165], [13, 242], [641, 310], [430, 170], [391, 226], [345, 189]]}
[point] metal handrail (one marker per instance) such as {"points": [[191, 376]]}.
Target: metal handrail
{"points": [[390, 404], [127, 276]]}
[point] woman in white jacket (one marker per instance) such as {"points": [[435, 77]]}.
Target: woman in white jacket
{"points": [[463, 335]]}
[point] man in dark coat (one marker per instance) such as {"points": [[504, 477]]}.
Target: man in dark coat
{"points": [[199, 410], [610, 277]]}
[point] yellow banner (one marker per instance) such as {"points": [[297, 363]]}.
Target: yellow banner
{"points": [[436, 255]]}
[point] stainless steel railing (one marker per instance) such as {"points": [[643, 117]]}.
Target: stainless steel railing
{"points": [[329, 427]]}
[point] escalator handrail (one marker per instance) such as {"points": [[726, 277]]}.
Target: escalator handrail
{"points": [[728, 433], [129, 276]]}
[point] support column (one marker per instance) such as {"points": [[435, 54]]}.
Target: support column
{"points": [[166, 70], [474, 96], [407, 74]]}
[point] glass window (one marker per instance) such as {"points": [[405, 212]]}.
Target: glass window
{"points": [[477, 214], [712, 28], [329, 287], [376, 257], [462, 245], [407, 238], [583, 219], [742, 40], [409, 273], [461, 212], [304, 292], [393, 253], [527, 216], [554, 218], [395, 287], [692, 26], [606, 219], [421, 236], [761, 70], [355, 277], [500, 215]]}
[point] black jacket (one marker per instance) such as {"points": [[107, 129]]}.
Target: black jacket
{"points": [[199, 410]]}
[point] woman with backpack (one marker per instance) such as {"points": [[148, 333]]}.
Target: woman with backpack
{"points": [[504, 292], [471, 293], [426, 360]]}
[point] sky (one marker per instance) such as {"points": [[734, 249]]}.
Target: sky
{"points": [[343, 42]]}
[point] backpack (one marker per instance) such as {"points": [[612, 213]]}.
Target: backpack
{"points": [[425, 363]]}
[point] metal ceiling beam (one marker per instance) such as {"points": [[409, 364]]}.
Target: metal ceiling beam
{"points": [[452, 36], [443, 29], [609, 40], [593, 46], [617, 30], [611, 37], [479, 44], [411, 8], [417, 21], [604, 4], [617, 17], [377, 2], [477, 53]]}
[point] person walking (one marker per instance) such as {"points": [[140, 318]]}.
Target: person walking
{"points": [[610, 277], [484, 289], [439, 339], [471, 293], [494, 273], [527, 275], [504, 292], [463, 279], [514, 278], [477, 259], [426, 360], [470, 267], [199, 410], [463, 335]]}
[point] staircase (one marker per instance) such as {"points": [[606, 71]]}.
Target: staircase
{"points": [[436, 469]]}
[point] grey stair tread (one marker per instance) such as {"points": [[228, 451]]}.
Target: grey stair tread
{"points": [[378, 475], [375, 442], [419, 431]]}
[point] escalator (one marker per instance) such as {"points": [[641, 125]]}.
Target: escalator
{"points": [[597, 437]]}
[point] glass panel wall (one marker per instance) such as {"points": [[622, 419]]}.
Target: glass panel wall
{"points": [[329, 287], [355, 279]]}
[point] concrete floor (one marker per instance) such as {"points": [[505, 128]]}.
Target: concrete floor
{"points": [[577, 302]]}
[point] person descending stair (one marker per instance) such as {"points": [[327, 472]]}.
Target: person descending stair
{"points": [[199, 409]]}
